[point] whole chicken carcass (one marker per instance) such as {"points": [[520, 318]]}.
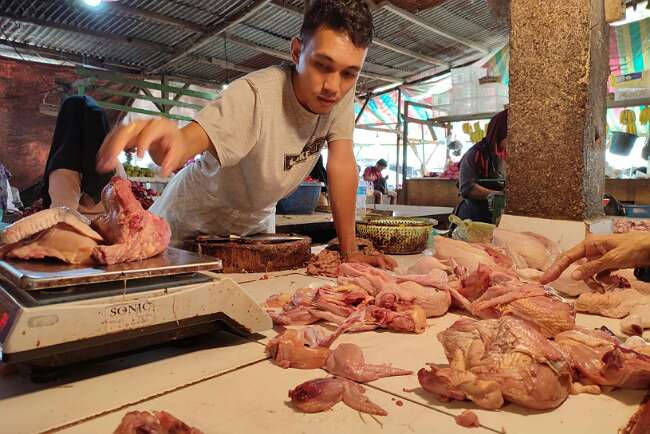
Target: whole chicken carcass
{"points": [[493, 361], [322, 394]]}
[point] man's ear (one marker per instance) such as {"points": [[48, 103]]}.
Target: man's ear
{"points": [[296, 49]]}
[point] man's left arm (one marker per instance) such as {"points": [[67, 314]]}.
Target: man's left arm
{"points": [[343, 180]]}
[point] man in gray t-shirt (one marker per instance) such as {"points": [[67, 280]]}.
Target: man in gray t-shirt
{"points": [[263, 136]]}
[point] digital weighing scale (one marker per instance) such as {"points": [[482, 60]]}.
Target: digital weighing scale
{"points": [[53, 314]]}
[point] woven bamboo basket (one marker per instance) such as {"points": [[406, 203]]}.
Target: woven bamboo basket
{"points": [[397, 236]]}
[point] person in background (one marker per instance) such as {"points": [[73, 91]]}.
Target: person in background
{"points": [[71, 179], [605, 253], [373, 174], [480, 167]]}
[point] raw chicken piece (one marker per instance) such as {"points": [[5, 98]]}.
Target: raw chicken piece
{"points": [[467, 255], [526, 249], [494, 361], [307, 348], [160, 422], [60, 241], [567, 285], [347, 361], [326, 263], [473, 285], [467, 419], [637, 320], [410, 320], [31, 225], [342, 300], [530, 301], [599, 358], [427, 264], [297, 316], [612, 304], [134, 233], [322, 394], [429, 291], [639, 285]]}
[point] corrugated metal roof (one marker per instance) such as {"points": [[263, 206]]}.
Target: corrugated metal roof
{"points": [[148, 33]]}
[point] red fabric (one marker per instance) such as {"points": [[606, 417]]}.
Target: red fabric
{"points": [[371, 174]]}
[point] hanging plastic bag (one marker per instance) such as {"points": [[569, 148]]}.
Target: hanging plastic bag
{"points": [[470, 231]]}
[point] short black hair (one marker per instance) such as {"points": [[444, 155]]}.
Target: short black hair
{"points": [[352, 17], [382, 162]]}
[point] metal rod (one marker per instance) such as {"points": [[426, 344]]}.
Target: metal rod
{"points": [[207, 37], [363, 107], [417, 21], [115, 7], [111, 76], [128, 40], [376, 41], [405, 141], [399, 124], [124, 108]]}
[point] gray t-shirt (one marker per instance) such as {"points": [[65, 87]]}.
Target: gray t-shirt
{"points": [[267, 143]]}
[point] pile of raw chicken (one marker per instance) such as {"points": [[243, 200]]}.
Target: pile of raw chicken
{"points": [[519, 343], [125, 233]]}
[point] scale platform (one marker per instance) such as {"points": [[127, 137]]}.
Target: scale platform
{"points": [[52, 315]]}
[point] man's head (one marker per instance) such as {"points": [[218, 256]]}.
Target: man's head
{"points": [[381, 164], [330, 52]]}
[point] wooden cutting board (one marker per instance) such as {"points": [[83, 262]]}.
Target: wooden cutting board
{"points": [[255, 254]]}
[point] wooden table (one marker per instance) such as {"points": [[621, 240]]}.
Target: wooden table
{"points": [[228, 385]]}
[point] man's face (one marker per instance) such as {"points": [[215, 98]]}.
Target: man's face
{"points": [[327, 67], [380, 167]]}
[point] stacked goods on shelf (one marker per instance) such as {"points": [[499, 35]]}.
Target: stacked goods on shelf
{"points": [[470, 97]]}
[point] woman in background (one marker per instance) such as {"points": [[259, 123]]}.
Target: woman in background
{"points": [[481, 169], [70, 178]]}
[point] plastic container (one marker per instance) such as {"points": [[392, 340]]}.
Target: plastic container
{"points": [[440, 99], [362, 193], [463, 91], [302, 201], [490, 104], [622, 143], [637, 211], [462, 106], [492, 90], [467, 74]]}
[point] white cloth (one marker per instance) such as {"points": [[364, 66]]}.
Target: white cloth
{"points": [[266, 142]]}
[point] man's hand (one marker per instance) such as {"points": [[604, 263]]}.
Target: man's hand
{"points": [[603, 253], [169, 146], [379, 261]]}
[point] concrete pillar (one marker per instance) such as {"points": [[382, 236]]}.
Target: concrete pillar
{"points": [[558, 88]]}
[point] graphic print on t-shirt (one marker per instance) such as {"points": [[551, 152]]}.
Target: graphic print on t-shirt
{"points": [[310, 149]]}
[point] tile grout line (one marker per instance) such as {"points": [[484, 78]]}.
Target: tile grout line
{"points": [[149, 398]]}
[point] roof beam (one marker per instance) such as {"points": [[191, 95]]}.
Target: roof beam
{"points": [[223, 64], [207, 37], [417, 21], [119, 8], [377, 41], [49, 53], [286, 56], [94, 33]]}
